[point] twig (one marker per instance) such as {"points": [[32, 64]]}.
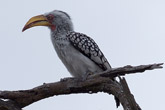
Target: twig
{"points": [[121, 71]]}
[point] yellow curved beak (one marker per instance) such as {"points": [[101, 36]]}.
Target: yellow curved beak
{"points": [[39, 20]]}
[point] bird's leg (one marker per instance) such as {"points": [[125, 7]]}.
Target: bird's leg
{"points": [[85, 77]]}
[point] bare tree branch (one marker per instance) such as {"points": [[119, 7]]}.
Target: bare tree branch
{"points": [[9, 105], [132, 103], [121, 71], [101, 82]]}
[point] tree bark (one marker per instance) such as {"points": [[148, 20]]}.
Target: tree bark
{"points": [[101, 82]]}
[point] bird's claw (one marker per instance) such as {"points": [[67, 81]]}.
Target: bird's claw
{"points": [[85, 77]]}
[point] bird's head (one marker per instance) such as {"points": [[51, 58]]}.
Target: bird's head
{"points": [[55, 20]]}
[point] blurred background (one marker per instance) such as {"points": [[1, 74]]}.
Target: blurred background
{"points": [[129, 32]]}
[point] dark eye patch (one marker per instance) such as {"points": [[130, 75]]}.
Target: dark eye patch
{"points": [[50, 17]]}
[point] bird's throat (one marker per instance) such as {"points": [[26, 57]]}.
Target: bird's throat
{"points": [[53, 27]]}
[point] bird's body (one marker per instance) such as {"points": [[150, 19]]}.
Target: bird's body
{"points": [[78, 63], [78, 52]]}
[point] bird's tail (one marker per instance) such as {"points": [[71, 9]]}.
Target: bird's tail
{"points": [[117, 101]]}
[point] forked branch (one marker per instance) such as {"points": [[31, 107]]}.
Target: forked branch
{"points": [[101, 82]]}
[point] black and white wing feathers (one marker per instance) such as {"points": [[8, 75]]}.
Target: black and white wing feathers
{"points": [[89, 48]]}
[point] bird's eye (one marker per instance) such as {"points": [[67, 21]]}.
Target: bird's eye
{"points": [[50, 17]]}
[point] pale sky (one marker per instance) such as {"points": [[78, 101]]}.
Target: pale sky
{"points": [[129, 32]]}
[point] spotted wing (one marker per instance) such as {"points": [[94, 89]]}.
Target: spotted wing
{"points": [[89, 48]]}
